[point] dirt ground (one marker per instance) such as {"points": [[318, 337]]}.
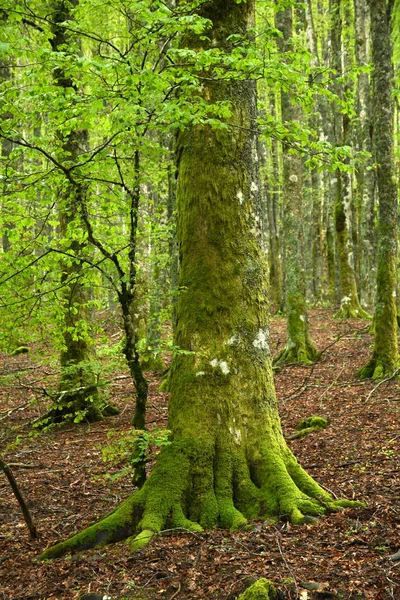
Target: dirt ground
{"points": [[62, 477]]}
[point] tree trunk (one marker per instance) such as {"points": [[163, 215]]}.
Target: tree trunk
{"points": [[350, 306], [275, 258], [365, 176], [385, 358], [317, 246], [228, 459], [299, 347], [79, 396]]}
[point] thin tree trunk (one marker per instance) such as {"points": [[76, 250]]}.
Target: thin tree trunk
{"points": [[299, 347], [365, 174], [350, 306]]}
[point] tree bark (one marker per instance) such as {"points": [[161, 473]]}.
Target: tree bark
{"points": [[365, 176], [350, 306], [299, 347], [385, 358], [78, 353]]}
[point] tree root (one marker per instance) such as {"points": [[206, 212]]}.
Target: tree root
{"points": [[348, 311], [89, 412], [304, 354], [193, 488], [377, 369]]}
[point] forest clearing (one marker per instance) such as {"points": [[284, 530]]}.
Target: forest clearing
{"points": [[62, 476]]}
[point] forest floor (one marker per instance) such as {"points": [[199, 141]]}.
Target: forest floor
{"points": [[62, 476]]}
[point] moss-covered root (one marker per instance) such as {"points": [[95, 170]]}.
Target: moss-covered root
{"points": [[262, 589], [309, 425], [351, 309], [196, 485], [93, 412], [377, 368], [301, 353]]}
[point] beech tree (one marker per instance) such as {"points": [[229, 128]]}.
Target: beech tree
{"points": [[350, 306], [227, 460], [385, 357], [79, 394], [299, 347]]}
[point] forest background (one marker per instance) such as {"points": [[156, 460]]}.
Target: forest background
{"points": [[93, 95]]}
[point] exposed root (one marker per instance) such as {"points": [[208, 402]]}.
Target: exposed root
{"points": [[194, 486], [377, 368], [87, 411], [301, 353], [350, 311]]}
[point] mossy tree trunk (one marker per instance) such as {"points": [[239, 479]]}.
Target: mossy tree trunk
{"points": [[79, 397], [228, 460], [275, 258], [350, 306], [299, 347], [317, 245], [385, 358], [365, 176]]}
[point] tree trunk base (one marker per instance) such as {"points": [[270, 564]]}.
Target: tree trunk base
{"points": [[57, 415], [304, 354], [377, 368], [196, 485], [347, 311]]}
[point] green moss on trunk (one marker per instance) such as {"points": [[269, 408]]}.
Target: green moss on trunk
{"points": [[385, 358], [299, 347]]}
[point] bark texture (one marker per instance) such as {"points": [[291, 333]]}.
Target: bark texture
{"points": [[228, 460], [350, 306], [365, 176], [385, 358], [299, 347]]}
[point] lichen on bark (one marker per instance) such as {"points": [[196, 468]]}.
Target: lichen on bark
{"points": [[227, 461]]}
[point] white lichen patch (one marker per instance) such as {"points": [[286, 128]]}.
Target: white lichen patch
{"points": [[293, 178], [394, 294], [333, 181], [237, 435], [222, 364], [254, 187], [240, 196], [345, 301], [200, 373], [234, 340], [261, 341]]}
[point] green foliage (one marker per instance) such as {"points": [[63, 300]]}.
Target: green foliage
{"points": [[132, 448]]}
